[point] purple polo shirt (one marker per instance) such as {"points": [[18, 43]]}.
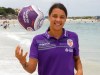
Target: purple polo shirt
{"points": [[55, 56]]}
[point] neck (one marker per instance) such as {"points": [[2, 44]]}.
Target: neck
{"points": [[56, 34]]}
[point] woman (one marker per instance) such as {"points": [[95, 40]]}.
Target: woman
{"points": [[56, 51]]}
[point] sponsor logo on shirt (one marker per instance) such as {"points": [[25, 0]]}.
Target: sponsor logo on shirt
{"points": [[69, 50], [44, 44]]}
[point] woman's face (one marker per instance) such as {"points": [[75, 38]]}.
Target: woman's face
{"points": [[57, 19]]}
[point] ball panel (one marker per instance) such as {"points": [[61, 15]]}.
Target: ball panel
{"points": [[31, 18], [39, 21]]}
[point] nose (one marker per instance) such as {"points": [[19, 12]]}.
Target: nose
{"points": [[57, 19]]}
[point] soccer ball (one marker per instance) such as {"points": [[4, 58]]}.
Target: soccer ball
{"points": [[31, 18]]}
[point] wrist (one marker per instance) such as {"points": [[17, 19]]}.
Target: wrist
{"points": [[23, 64]]}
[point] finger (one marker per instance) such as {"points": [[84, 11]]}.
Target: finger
{"points": [[25, 54], [17, 50], [21, 52]]}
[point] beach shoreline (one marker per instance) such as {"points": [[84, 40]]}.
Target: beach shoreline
{"points": [[14, 21]]}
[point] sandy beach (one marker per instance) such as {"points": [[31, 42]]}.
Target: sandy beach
{"points": [[90, 67]]}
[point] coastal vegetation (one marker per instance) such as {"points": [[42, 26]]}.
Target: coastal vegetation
{"points": [[11, 13], [8, 13]]}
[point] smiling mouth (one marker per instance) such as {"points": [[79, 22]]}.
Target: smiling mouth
{"points": [[57, 24]]}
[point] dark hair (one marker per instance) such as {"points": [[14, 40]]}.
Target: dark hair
{"points": [[60, 6]]}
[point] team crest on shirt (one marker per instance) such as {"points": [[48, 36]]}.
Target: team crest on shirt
{"points": [[70, 42]]}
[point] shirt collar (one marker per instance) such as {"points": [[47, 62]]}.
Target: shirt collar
{"points": [[65, 33]]}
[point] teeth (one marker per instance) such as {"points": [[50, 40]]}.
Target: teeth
{"points": [[57, 24]]}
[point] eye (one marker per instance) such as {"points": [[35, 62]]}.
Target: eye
{"points": [[62, 17], [54, 16]]}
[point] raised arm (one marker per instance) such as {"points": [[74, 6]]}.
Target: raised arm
{"points": [[29, 66]]}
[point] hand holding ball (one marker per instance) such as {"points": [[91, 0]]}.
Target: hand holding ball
{"points": [[31, 18]]}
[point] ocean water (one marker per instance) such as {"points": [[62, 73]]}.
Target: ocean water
{"points": [[89, 39], [89, 35]]}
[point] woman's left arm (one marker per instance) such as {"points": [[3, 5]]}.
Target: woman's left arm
{"points": [[78, 65]]}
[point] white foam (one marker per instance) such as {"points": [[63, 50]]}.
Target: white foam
{"points": [[12, 36], [20, 39]]}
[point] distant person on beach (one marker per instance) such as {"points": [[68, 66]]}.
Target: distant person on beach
{"points": [[56, 51], [5, 24]]}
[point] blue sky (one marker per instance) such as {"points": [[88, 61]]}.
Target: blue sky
{"points": [[74, 7]]}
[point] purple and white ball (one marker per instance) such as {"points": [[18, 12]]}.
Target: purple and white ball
{"points": [[31, 18]]}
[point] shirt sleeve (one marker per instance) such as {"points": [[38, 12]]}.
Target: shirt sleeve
{"points": [[33, 49], [76, 47]]}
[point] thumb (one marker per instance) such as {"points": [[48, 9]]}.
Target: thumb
{"points": [[25, 54]]}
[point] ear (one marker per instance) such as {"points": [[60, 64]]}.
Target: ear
{"points": [[48, 17], [66, 20]]}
